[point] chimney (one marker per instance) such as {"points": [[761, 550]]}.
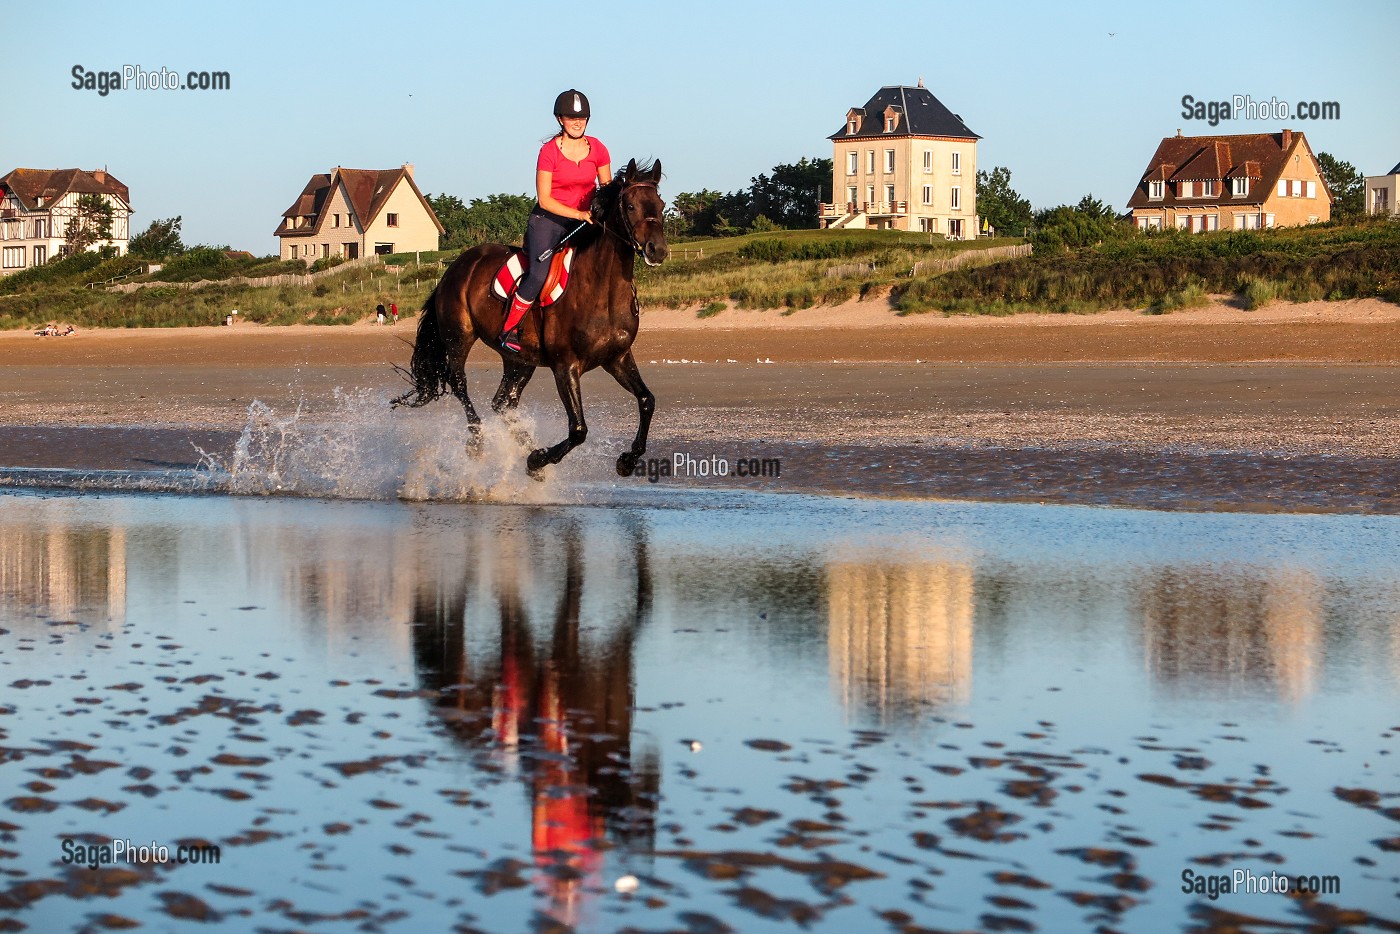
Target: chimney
{"points": [[1178, 132], [101, 174], [408, 169], [1287, 139]]}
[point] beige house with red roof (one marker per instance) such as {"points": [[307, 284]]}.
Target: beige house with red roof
{"points": [[1203, 183], [358, 212], [36, 206]]}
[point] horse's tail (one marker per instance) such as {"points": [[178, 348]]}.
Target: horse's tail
{"points": [[427, 371]]}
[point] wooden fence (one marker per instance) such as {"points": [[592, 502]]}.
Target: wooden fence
{"points": [[850, 269], [256, 282], [970, 258]]}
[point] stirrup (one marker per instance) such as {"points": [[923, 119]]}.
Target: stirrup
{"points": [[510, 340]]}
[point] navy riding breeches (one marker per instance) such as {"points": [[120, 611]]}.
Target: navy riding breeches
{"points": [[543, 233]]}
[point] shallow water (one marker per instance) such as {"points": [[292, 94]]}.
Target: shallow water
{"points": [[770, 710]]}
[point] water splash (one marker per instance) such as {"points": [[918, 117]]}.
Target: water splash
{"points": [[360, 449]]}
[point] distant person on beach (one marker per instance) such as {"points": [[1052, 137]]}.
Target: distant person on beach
{"points": [[71, 330], [379, 312], [394, 311]]}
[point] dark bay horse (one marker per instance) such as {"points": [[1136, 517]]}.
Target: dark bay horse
{"points": [[592, 325]]}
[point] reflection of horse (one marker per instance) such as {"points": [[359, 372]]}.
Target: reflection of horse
{"points": [[559, 706], [592, 325]]}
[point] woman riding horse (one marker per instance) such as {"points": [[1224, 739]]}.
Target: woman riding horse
{"points": [[591, 325], [571, 165]]}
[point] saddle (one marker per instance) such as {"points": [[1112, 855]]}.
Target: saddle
{"points": [[513, 269]]}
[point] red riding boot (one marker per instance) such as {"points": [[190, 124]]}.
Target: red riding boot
{"points": [[510, 331]]}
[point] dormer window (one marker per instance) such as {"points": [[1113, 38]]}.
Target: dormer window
{"points": [[1155, 190], [1187, 190], [1239, 187], [889, 124], [852, 125], [1208, 188]]}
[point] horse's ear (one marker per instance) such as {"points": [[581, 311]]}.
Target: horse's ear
{"points": [[631, 174], [656, 171]]}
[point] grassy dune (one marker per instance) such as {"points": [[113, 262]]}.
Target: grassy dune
{"points": [[779, 269]]}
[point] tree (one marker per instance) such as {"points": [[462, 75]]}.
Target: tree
{"points": [[791, 195], [786, 198], [999, 204], [496, 218], [1071, 228], [159, 240], [92, 224], [1348, 187], [1093, 207], [707, 213]]}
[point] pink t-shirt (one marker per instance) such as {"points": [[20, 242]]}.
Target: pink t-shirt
{"points": [[573, 181]]}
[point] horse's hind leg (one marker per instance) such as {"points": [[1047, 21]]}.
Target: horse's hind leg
{"points": [[624, 370], [513, 382], [566, 376], [507, 397]]}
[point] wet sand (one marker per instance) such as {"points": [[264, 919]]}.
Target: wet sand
{"points": [[1295, 406]]}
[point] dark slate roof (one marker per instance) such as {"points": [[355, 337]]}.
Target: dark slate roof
{"points": [[52, 184], [1260, 157], [920, 114], [1394, 171], [367, 190]]}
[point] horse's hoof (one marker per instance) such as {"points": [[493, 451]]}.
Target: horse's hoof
{"points": [[537, 461], [627, 464]]}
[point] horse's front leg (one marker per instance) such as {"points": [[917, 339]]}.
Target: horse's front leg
{"points": [[624, 370], [566, 377]]}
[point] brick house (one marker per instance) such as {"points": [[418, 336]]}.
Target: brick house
{"points": [[904, 162], [36, 206], [1202, 183], [358, 212]]}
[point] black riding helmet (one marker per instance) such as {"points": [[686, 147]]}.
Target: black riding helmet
{"points": [[571, 103]]}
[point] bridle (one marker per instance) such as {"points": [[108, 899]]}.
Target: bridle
{"points": [[631, 238]]}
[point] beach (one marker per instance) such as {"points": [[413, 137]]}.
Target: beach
{"points": [[1307, 393]]}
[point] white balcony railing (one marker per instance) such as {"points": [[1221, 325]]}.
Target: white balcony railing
{"points": [[874, 208]]}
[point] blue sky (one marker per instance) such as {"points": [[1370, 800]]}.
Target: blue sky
{"points": [[1072, 98]]}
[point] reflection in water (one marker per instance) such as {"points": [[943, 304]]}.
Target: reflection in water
{"points": [[899, 636], [559, 649], [63, 571], [344, 582], [1232, 631], [552, 705]]}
